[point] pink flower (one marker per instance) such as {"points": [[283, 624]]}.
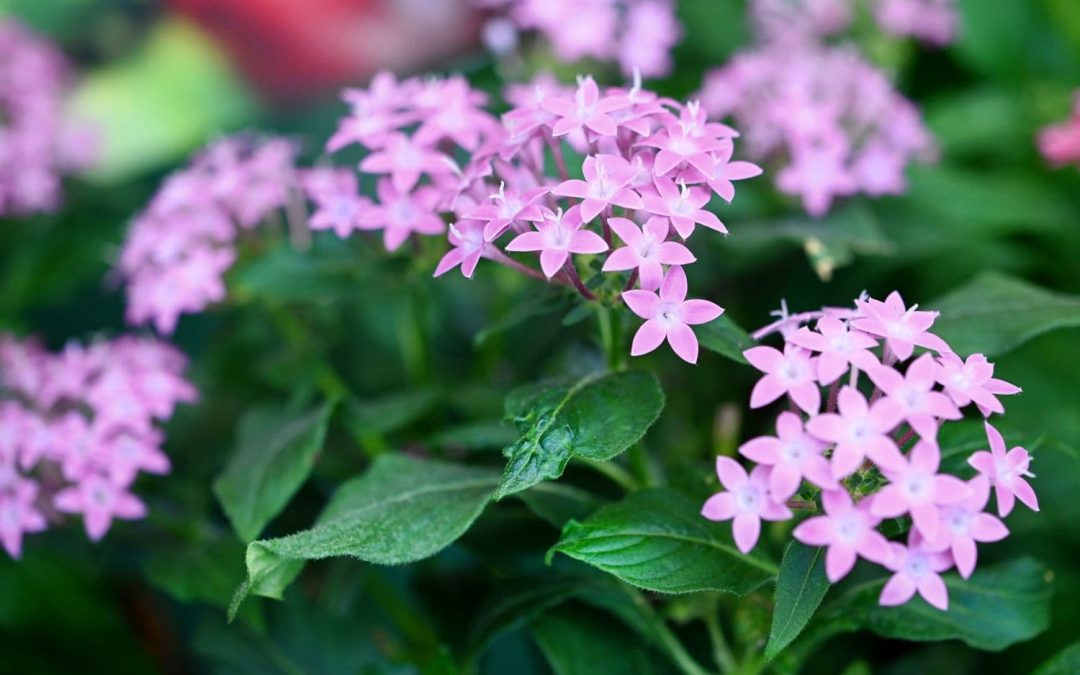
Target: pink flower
{"points": [[585, 109], [678, 145], [848, 530], [18, 515], [913, 392], [791, 372], [964, 523], [126, 454], [972, 380], [338, 201], [839, 347], [605, 185], [917, 568], [510, 206], [399, 214], [556, 238], [859, 431], [668, 316], [916, 487], [727, 171], [818, 175], [793, 455], [1006, 471], [469, 244], [747, 502], [902, 328], [647, 249], [99, 501], [405, 161], [683, 206]]}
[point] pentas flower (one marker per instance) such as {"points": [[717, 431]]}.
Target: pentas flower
{"points": [[638, 34], [916, 568], [848, 530], [38, 142], [916, 488], [872, 454], [647, 250], [605, 185], [1006, 472], [338, 204], [668, 316], [746, 502], [79, 448], [965, 523], [649, 165], [932, 21]]}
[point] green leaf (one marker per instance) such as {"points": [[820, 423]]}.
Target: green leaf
{"points": [[800, 588], [597, 417], [401, 510], [995, 313], [999, 606], [557, 503], [1065, 662], [518, 602], [658, 540], [275, 453], [390, 413], [537, 304], [473, 436], [581, 642], [725, 337]]}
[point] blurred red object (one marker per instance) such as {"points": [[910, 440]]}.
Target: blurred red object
{"points": [[293, 49]]}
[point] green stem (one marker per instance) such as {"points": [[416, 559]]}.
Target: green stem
{"points": [[725, 660]]}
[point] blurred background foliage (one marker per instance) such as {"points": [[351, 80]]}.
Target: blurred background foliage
{"points": [[427, 363]]}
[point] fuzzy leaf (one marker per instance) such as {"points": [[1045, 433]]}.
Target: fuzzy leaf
{"points": [[725, 337], [401, 510], [800, 588], [999, 606], [274, 456], [658, 540], [1065, 662], [994, 314], [596, 417]]}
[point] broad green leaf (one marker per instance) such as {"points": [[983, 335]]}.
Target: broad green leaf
{"points": [[386, 414], [725, 337], [596, 417], [285, 274], [537, 304], [275, 453], [515, 603], [999, 606], [401, 510], [576, 641], [800, 587], [473, 436], [658, 540], [1065, 662], [995, 313]]}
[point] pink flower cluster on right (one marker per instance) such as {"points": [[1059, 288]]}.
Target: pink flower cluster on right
{"points": [[830, 119], [872, 453], [78, 426], [37, 143]]}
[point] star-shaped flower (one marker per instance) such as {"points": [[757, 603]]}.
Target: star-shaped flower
{"points": [[668, 316], [558, 236], [647, 249], [747, 501]]}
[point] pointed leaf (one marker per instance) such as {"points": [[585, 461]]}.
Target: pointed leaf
{"points": [[596, 417], [800, 588], [275, 453], [994, 314], [657, 539], [725, 337], [581, 642], [1065, 662], [401, 510]]}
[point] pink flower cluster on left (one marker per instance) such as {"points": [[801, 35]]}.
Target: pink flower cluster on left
{"points": [[37, 143], [78, 426], [872, 454]]}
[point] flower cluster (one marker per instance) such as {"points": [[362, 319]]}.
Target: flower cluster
{"points": [[180, 246], [649, 168], [833, 119], [78, 426], [1060, 143], [872, 453], [37, 143], [931, 21], [638, 34]]}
